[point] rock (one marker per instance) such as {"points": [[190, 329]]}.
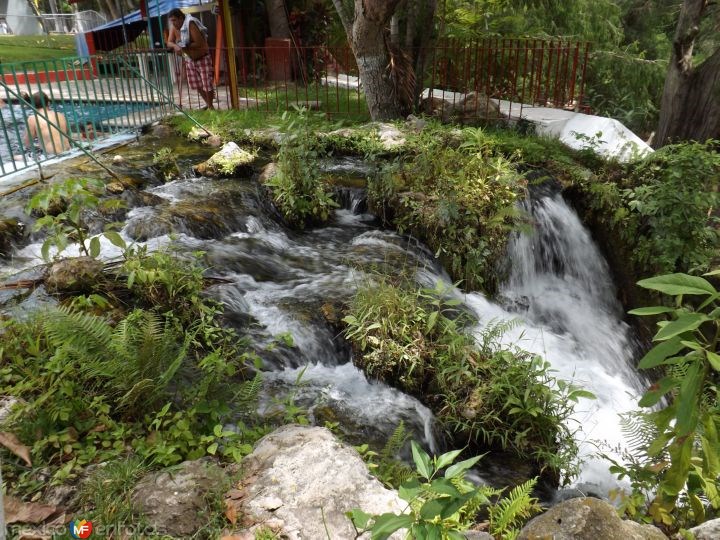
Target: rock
{"points": [[6, 406], [198, 134], [231, 160], [469, 109], [149, 199], [118, 159], [391, 137], [74, 275], [10, 231], [415, 124], [115, 188], [173, 502], [214, 141], [267, 172], [300, 470], [586, 518], [478, 535], [710, 530], [162, 131]]}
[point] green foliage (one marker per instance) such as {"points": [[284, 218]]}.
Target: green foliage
{"points": [[455, 194], [677, 444], [385, 464], [165, 163], [107, 491], [444, 506], [488, 393], [297, 188], [152, 381], [73, 198], [662, 208], [672, 202]]}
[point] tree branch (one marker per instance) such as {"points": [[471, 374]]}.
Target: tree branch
{"points": [[344, 17]]}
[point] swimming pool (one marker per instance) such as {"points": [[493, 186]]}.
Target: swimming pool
{"points": [[86, 120]]}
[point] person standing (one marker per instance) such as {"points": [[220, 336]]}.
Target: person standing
{"points": [[188, 37]]}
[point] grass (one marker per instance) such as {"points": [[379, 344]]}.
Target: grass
{"points": [[35, 48], [335, 101]]}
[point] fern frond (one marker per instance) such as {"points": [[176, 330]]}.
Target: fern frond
{"points": [[82, 336], [248, 393], [494, 330], [517, 506], [395, 443], [639, 430]]}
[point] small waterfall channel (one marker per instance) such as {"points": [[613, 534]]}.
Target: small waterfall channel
{"points": [[278, 281]]}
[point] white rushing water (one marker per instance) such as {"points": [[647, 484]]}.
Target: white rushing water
{"points": [[561, 291]]}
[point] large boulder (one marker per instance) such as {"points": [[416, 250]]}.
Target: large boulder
{"points": [[710, 530], [10, 232], [586, 518], [231, 161], [305, 479], [175, 502]]}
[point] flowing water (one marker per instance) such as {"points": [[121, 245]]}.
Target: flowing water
{"points": [[277, 282]]}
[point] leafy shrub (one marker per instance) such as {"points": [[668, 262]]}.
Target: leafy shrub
{"points": [[297, 187], [150, 381], [677, 444], [484, 392], [445, 506], [75, 197], [458, 196], [672, 202]]}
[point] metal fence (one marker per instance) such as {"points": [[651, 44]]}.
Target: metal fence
{"points": [[96, 97], [120, 91], [514, 73]]}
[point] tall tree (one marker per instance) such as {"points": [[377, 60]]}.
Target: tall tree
{"points": [[367, 31], [388, 63], [278, 19], [690, 107]]}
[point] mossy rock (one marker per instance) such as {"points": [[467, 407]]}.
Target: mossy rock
{"points": [[76, 275], [230, 161]]}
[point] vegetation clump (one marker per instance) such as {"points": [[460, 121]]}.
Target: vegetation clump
{"points": [[673, 465], [483, 391], [458, 196], [663, 208], [297, 188]]}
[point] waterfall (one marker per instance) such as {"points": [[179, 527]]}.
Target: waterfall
{"points": [[560, 289]]}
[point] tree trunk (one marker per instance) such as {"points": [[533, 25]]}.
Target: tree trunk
{"points": [[111, 9], [367, 35], [36, 12], [690, 108], [277, 17]]}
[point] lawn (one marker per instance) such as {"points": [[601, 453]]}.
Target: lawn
{"points": [[36, 48]]}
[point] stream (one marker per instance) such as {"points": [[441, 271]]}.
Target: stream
{"points": [[559, 290]]}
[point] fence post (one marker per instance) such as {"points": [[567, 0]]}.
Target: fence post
{"points": [[230, 41]]}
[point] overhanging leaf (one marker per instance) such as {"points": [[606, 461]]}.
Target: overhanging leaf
{"points": [[386, 524], [675, 284], [660, 352], [654, 310], [684, 323]]}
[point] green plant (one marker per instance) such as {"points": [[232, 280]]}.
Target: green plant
{"points": [[385, 464], [457, 195], [679, 444], [164, 161], [485, 392], [107, 491], [297, 188], [443, 506], [672, 205], [74, 197]]}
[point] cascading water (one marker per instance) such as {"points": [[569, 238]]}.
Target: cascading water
{"points": [[559, 287], [561, 291]]}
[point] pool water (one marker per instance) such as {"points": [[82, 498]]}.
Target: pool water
{"points": [[86, 120]]}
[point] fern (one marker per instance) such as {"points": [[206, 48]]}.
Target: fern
{"points": [[492, 333], [395, 443], [639, 431], [249, 392], [513, 509]]}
